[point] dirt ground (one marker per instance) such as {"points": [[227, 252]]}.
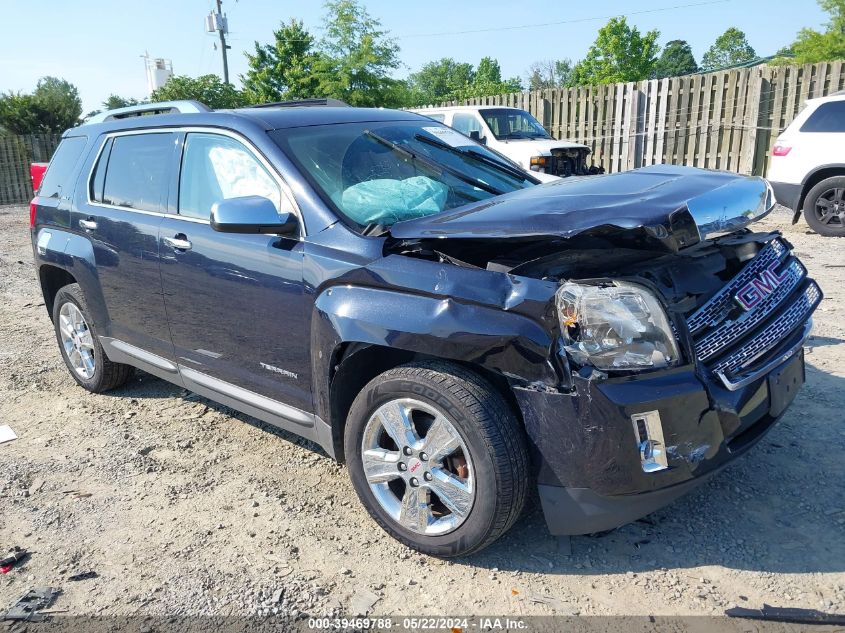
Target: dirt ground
{"points": [[183, 506]]}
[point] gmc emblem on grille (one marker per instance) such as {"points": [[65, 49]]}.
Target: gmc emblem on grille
{"points": [[760, 287]]}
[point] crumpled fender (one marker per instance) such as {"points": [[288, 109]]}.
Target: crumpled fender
{"points": [[505, 342]]}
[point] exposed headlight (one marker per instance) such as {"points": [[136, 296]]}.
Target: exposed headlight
{"points": [[615, 326]]}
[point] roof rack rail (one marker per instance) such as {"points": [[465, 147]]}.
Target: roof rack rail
{"points": [[302, 103], [162, 107]]}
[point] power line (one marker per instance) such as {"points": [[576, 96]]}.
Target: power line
{"points": [[543, 24], [561, 22]]}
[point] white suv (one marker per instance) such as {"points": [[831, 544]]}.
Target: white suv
{"points": [[519, 136], [807, 167]]}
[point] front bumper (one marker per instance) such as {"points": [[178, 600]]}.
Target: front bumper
{"points": [[589, 469]]}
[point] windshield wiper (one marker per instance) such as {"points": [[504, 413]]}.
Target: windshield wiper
{"points": [[479, 157], [433, 165]]}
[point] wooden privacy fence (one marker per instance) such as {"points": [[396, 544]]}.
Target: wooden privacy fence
{"points": [[724, 120], [16, 153]]}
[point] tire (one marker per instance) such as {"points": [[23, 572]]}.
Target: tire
{"points": [[104, 374], [486, 454], [824, 207]]}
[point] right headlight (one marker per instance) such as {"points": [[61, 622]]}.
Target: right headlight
{"points": [[615, 326]]}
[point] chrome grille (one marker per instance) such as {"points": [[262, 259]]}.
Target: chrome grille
{"points": [[796, 315], [712, 312], [730, 339], [730, 331]]}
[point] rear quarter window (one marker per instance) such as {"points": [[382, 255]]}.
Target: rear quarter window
{"points": [[828, 117], [62, 167]]}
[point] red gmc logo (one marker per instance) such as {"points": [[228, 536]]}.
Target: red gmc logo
{"points": [[760, 287]]}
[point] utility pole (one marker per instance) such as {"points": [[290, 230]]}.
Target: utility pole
{"points": [[218, 22]]}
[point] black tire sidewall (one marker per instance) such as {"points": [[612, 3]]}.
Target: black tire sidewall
{"points": [[477, 526], [72, 294], [836, 182]]}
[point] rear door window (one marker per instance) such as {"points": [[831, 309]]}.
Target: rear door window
{"points": [[138, 171], [828, 117], [57, 179]]}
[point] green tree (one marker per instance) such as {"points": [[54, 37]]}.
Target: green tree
{"points": [[113, 102], [676, 60], [550, 74], [731, 48], [488, 80], [620, 53], [438, 81], [811, 46], [53, 106], [19, 114], [207, 89], [358, 57], [284, 69]]}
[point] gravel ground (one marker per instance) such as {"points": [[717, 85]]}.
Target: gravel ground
{"points": [[184, 507]]}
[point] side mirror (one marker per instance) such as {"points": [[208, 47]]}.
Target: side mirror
{"points": [[251, 214], [475, 135]]}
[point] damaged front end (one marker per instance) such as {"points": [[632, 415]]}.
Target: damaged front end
{"points": [[680, 330]]}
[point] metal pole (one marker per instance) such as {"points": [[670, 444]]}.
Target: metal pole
{"points": [[223, 46]]}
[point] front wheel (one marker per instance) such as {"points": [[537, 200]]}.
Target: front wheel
{"points": [[437, 457], [824, 207]]}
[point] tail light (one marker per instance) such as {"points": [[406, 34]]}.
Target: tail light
{"points": [[32, 209], [781, 150]]}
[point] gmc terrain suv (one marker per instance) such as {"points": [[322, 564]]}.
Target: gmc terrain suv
{"points": [[452, 330]]}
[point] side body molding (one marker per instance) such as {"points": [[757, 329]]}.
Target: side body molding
{"points": [[504, 342]]}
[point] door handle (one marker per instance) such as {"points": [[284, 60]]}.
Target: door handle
{"points": [[88, 224], [179, 242]]}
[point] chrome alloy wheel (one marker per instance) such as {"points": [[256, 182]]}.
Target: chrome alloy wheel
{"points": [[77, 340], [418, 467]]}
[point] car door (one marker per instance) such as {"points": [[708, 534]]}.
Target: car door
{"points": [[234, 302], [120, 213]]}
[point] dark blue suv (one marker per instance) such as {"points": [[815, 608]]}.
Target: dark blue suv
{"points": [[426, 311]]}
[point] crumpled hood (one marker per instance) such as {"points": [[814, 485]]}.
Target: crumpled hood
{"points": [[661, 199]]}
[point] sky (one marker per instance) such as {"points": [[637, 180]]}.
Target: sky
{"points": [[97, 45]]}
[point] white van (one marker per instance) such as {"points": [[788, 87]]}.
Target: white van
{"points": [[517, 135]]}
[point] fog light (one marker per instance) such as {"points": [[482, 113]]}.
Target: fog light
{"points": [[648, 432]]}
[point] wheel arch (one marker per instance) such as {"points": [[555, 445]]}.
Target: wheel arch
{"points": [[355, 364], [820, 173], [63, 257], [52, 279]]}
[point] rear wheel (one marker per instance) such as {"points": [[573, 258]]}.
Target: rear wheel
{"points": [[80, 346], [824, 207], [437, 457]]}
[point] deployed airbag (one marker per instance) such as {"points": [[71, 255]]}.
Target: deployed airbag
{"points": [[385, 201]]}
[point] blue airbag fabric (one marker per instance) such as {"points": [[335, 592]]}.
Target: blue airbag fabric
{"points": [[385, 201]]}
